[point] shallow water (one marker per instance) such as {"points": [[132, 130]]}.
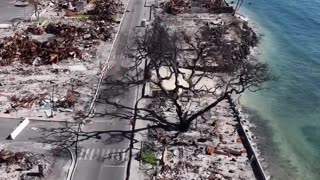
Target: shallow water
{"points": [[288, 114]]}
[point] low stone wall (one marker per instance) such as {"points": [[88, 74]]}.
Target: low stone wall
{"points": [[255, 163]]}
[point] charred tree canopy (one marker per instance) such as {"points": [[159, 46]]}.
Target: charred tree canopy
{"points": [[191, 72]]}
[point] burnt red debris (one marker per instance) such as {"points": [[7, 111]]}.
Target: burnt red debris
{"points": [[69, 99], [184, 6], [64, 30], [35, 30], [25, 101], [106, 10], [21, 47]]}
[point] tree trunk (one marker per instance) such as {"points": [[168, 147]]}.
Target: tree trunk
{"points": [[184, 125]]}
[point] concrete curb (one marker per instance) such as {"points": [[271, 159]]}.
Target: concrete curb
{"points": [[105, 65], [72, 166], [40, 120], [53, 120], [255, 162]]}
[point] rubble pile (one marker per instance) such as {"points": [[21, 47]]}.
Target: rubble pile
{"points": [[88, 31], [22, 165], [69, 100], [23, 159], [36, 30], [176, 6], [106, 10], [226, 38], [22, 48], [211, 149], [25, 101], [65, 31], [44, 57], [98, 18], [187, 6]]}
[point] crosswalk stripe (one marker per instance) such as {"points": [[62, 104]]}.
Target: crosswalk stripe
{"points": [[103, 153], [91, 155], [108, 153], [97, 152], [113, 153], [86, 155], [119, 154], [81, 154], [122, 156]]}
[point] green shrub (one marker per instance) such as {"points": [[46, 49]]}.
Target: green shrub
{"points": [[83, 16], [148, 156]]}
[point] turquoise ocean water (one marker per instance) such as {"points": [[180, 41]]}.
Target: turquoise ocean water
{"points": [[287, 116]]}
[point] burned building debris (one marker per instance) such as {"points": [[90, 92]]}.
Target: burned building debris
{"points": [[49, 66]]}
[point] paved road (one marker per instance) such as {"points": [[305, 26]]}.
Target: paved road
{"points": [[8, 11], [38, 136], [104, 157]]}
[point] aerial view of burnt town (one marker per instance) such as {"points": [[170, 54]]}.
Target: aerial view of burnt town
{"points": [[159, 90]]}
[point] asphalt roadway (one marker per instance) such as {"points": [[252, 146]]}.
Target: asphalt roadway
{"points": [[39, 133], [104, 157], [9, 12], [103, 146]]}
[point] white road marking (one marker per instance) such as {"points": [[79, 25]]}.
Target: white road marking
{"points": [[97, 152], [86, 155], [119, 155], [122, 156], [108, 154], [103, 153], [91, 155], [81, 154], [113, 153]]}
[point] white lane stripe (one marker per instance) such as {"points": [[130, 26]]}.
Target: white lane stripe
{"points": [[81, 154], [91, 155], [86, 155]]}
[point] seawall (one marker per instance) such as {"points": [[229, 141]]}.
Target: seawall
{"points": [[252, 155]]}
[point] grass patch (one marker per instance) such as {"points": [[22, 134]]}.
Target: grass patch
{"points": [[83, 16], [40, 20], [148, 156], [114, 18]]}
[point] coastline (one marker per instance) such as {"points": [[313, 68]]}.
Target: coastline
{"points": [[248, 139], [281, 161], [248, 125], [255, 137]]}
